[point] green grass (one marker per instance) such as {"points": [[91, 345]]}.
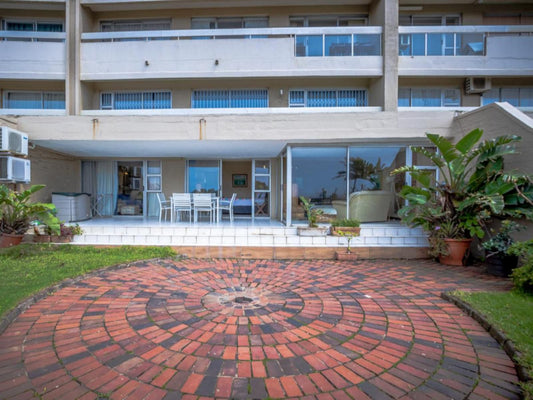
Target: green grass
{"points": [[28, 268], [511, 313]]}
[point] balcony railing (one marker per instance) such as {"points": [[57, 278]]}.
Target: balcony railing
{"points": [[452, 40], [308, 42]]}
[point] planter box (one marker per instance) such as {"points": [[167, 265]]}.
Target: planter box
{"points": [[355, 230], [41, 238], [307, 231], [61, 239], [344, 256]]}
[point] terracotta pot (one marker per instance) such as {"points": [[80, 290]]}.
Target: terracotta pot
{"points": [[8, 240], [41, 238], [457, 249], [352, 229], [344, 256]]}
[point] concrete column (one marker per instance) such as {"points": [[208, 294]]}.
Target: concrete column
{"points": [[72, 81], [384, 91]]}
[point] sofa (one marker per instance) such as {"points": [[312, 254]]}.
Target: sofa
{"points": [[366, 206]]}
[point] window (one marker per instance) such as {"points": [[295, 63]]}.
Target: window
{"points": [[229, 23], [135, 100], [429, 97], [518, 97], [328, 20], [153, 176], [242, 98], [328, 98], [429, 20], [32, 26], [135, 25], [35, 100]]}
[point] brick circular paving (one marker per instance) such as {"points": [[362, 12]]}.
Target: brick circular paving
{"points": [[312, 329]]}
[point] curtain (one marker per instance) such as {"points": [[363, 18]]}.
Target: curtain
{"points": [[107, 186]]}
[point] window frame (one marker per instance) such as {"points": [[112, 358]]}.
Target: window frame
{"points": [[499, 88], [34, 22], [336, 90], [6, 93], [193, 91], [142, 92], [442, 96]]}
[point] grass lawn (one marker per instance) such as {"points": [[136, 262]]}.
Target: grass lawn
{"points": [[512, 313], [29, 268]]}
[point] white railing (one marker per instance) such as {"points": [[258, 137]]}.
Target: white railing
{"points": [[308, 42], [453, 40], [33, 36]]}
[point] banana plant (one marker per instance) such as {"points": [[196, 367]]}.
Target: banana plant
{"points": [[17, 211], [473, 185]]}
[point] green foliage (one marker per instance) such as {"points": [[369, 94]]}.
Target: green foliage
{"points": [[17, 211], [29, 268], [523, 276], [473, 188], [353, 223], [349, 236], [511, 313], [311, 212], [501, 241]]}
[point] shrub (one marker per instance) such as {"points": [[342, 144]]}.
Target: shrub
{"points": [[352, 223], [523, 276]]}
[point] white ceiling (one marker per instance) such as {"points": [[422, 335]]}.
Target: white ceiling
{"points": [[165, 149]]}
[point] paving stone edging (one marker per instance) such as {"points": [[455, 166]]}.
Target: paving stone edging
{"points": [[25, 304], [500, 337]]}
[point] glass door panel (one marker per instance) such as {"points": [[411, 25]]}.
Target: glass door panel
{"points": [[204, 176], [130, 197], [261, 188]]}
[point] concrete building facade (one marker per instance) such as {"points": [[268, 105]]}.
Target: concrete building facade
{"points": [[269, 100]]}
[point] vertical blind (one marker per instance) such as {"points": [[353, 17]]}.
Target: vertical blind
{"points": [[243, 98], [135, 100], [328, 98]]}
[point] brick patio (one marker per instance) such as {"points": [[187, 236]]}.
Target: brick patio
{"points": [[302, 329]]}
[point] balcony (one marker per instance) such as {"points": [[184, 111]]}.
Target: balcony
{"points": [[32, 55], [262, 52], [465, 50]]}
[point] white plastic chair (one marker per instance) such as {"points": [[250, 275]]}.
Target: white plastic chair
{"points": [[202, 202], [164, 206], [228, 206], [181, 202]]}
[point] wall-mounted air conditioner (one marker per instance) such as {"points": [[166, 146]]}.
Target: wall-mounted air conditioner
{"points": [[477, 85], [13, 141], [13, 169]]}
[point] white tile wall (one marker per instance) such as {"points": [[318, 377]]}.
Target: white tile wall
{"points": [[391, 234]]}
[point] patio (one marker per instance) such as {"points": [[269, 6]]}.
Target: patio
{"points": [[244, 329]]}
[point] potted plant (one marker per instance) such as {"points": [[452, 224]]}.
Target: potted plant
{"points": [[523, 275], [67, 232], [345, 225], [17, 212], [499, 261], [473, 189], [349, 234], [312, 214]]}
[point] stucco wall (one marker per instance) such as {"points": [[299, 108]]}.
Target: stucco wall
{"points": [[60, 173]]}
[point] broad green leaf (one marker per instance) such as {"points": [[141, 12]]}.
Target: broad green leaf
{"points": [[445, 147], [468, 141]]}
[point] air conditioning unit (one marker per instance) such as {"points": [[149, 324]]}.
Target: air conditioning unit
{"points": [[13, 141], [13, 169], [477, 85]]}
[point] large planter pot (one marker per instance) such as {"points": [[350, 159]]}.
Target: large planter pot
{"points": [[315, 231], [61, 239], [355, 230], [457, 249], [345, 256], [499, 265], [8, 240]]}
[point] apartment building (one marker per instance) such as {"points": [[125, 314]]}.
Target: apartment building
{"points": [[269, 100]]}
